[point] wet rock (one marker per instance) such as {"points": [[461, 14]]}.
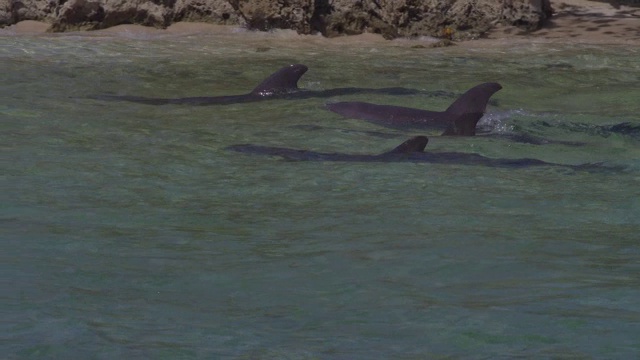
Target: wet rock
{"points": [[451, 19], [12, 11], [407, 18], [346, 17], [210, 11], [94, 14], [267, 15], [529, 15], [443, 43], [5, 13]]}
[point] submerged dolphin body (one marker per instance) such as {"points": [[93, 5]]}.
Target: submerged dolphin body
{"points": [[411, 150], [279, 83], [282, 84], [460, 118], [403, 151]]}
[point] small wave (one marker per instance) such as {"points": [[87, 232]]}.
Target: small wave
{"points": [[498, 121], [623, 128]]}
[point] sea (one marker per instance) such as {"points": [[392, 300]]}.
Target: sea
{"points": [[130, 231]]}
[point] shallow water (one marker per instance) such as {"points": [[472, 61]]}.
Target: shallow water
{"points": [[128, 230]]}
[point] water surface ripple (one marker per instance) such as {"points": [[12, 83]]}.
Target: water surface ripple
{"points": [[128, 231]]}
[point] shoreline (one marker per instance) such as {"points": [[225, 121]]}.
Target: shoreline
{"points": [[573, 21], [582, 21]]}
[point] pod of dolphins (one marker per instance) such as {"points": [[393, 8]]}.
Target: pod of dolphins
{"points": [[459, 119]]}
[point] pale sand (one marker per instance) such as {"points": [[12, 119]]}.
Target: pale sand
{"points": [[26, 27], [583, 21], [574, 21]]}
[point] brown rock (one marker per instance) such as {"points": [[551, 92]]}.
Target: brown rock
{"points": [[392, 18], [448, 18], [275, 14], [451, 19], [210, 11], [95, 14], [347, 17], [13, 11], [529, 15], [6, 17]]}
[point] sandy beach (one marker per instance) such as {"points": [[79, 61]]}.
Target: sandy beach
{"points": [[583, 21], [580, 21]]}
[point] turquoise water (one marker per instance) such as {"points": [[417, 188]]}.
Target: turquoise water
{"points": [[128, 231]]}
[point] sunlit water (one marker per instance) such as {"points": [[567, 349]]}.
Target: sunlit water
{"points": [[128, 231]]}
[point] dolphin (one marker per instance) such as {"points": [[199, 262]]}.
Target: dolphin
{"points": [[401, 152], [411, 150], [460, 118], [282, 84]]}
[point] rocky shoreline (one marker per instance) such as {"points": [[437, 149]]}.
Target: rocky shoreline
{"points": [[453, 19], [591, 21]]}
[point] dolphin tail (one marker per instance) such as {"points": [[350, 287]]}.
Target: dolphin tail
{"points": [[463, 125], [282, 81], [413, 145]]}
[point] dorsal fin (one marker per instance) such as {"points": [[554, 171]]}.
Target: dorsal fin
{"points": [[282, 81], [463, 125], [474, 100], [413, 145]]}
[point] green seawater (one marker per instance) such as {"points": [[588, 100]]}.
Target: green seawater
{"points": [[128, 231]]}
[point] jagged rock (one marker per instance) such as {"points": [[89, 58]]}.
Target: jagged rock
{"points": [[210, 11], [529, 15], [392, 18], [94, 14], [282, 14], [347, 17], [452, 19], [5, 13], [12, 11]]}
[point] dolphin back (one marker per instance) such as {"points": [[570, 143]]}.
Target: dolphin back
{"points": [[282, 81], [414, 145]]}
